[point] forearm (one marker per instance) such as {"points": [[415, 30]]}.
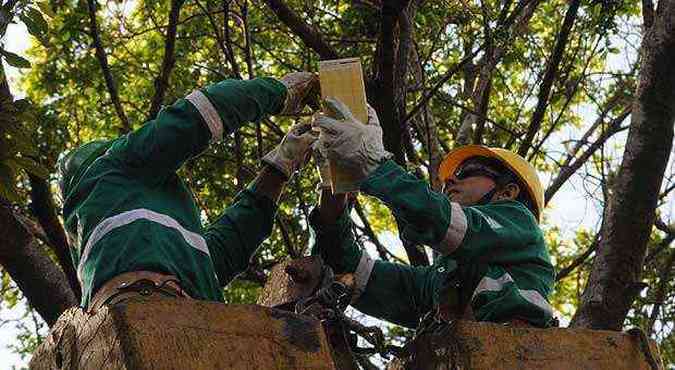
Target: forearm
{"points": [[237, 102], [334, 240], [235, 236], [426, 214], [397, 293], [331, 206], [269, 183], [185, 128]]}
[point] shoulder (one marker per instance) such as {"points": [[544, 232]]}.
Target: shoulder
{"points": [[508, 211], [504, 217]]}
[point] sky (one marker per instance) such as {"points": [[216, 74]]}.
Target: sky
{"points": [[570, 209]]}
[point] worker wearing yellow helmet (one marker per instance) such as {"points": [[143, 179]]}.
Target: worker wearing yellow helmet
{"points": [[511, 168], [493, 263]]}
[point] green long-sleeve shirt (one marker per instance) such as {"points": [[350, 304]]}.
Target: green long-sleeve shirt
{"points": [[129, 211], [495, 252]]}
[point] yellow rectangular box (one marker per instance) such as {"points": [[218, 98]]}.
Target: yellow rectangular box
{"points": [[342, 79]]}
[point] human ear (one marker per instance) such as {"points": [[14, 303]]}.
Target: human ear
{"points": [[509, 192]]}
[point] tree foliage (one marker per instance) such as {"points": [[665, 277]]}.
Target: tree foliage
{"points": [[439, 70]]}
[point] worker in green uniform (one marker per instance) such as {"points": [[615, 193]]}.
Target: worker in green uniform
{"points": [[132, 222], [493, 263]]}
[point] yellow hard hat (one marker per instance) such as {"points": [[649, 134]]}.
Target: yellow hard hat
{"points": [[517, 164]]}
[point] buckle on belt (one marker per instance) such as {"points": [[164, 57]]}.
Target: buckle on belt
{"points": [[146, 287]]}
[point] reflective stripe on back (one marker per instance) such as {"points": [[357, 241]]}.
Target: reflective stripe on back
{"points": [[109, 224], [488, 284]]}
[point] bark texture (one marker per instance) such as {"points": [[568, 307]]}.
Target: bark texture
{"points": [[486, 346], [156, 333], [629, 215], [44, 209], [42, 282], [309, 36]]}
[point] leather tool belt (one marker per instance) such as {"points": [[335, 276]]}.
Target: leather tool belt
{"points": [[136, 284]]}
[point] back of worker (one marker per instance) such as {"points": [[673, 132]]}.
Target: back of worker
{"points": [[126, 210]]}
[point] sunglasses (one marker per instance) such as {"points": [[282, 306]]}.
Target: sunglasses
{"points": [[473, 171]]}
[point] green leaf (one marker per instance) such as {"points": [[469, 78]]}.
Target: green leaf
{"points": [[14, 60], [20, 140], [31, 166], [8, 188], [36, 24], [46, 9], [22, 105]]}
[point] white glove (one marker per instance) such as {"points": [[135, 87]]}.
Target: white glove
{"points": [[292, 152], [354, 148], [302, 88]]}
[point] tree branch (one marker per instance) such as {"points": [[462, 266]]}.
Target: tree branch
{"points": [[569, 95], [39, 278], [162, 81], [383, 89], [228, 50], [466, 60], [487, 65], [549, 76], [290, 248], [223, 41], [248, 52], [563, 273], [664, 244], [661, 290], [647, 13], [307, 34], [438, 85], [107, 74], [567, 171], [43, 208], [381, 250]]}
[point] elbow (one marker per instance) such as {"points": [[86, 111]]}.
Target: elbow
{"points": [[455, 232]]}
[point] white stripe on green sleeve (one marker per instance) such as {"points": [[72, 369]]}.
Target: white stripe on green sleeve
{"points": [[208, 113], [456, 231], [362, 275]]}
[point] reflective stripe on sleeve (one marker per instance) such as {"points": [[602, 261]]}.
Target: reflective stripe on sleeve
{"points": [[208, 113], [488, 284], [111, 223], [456, 231], [362, 275]]}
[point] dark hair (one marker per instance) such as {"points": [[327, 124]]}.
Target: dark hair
{"points": [[506, 177]]}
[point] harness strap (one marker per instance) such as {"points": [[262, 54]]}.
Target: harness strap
{"points": [[135, 284]]}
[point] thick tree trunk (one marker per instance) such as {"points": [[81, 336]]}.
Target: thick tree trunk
{"points": [[42, 282], [629, 215]]}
